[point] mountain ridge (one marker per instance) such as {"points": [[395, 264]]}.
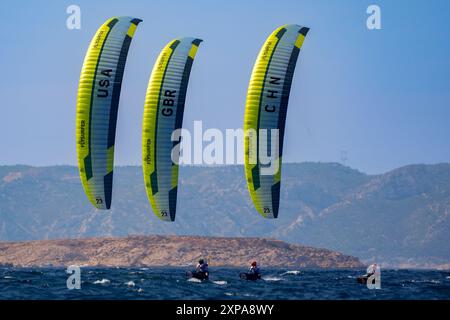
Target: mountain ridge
{"points": [[401, 217]]}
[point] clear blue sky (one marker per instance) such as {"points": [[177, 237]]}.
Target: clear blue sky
{"points": [[383, 95]]}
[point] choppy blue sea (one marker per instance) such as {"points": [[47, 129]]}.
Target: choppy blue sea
{"points": [[224, 283]]}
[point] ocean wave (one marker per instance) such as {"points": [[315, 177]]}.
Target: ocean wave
{"points": [[426, 281], [293, 272], [269, 278], [220, 282], [130, 284], [274, 286], [103, 281]]}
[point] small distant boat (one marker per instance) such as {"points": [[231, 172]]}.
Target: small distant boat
{"points": [[250, 276]]}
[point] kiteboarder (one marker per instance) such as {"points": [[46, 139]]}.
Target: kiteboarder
{"points": [[371, 270], [201, 272], [253, 274], [202, 266], [255, 269]]}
